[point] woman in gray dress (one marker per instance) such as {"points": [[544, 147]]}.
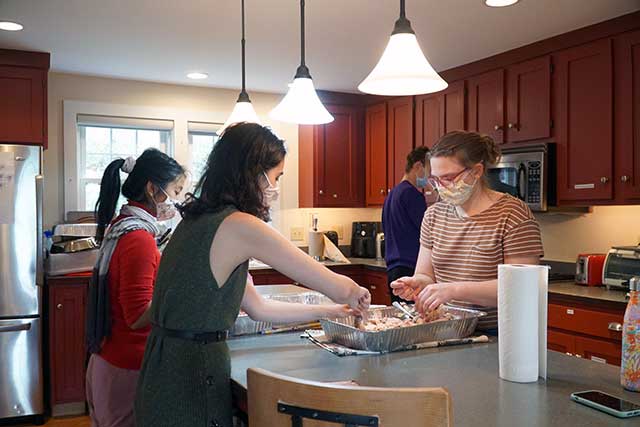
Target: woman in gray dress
{"points": [[202, 282]]}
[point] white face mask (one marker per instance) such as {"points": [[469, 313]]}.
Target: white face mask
{"points": [[166, 210], [458, 193], [270, 193]]}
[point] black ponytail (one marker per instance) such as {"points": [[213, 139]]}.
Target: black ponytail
{"points": [[153, 165], [109, 195]]}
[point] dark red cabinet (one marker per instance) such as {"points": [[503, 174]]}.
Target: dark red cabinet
{"points": [[583, 100], [439, 113], [23, 105], [529, 100], [67, 349], [399, 138], [486, 104], [331, 169], [627, 116], [376, 153]]}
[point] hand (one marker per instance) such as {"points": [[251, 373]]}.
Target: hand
{"points": [[435, 295], [360, 300], [338, 311], [407, 288]]}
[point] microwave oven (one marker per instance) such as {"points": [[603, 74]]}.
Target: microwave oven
{"points": [[527, 173]]}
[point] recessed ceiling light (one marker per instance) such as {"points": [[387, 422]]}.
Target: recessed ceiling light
{"points": [[10, 26], [500, 3], [197, 76]]}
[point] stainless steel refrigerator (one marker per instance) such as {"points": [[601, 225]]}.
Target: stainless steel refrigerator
{"points": [[21, 281]]}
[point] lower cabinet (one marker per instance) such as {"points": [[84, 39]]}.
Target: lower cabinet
{"points": [[586, 331], [67, 350]]}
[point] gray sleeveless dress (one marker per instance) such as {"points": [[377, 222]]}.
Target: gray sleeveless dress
{"points": [[182, 382]]}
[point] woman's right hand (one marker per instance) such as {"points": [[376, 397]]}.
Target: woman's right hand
{"points": [[408, 288]]}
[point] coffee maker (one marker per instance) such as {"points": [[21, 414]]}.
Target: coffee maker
{"points": [[363, 239]]}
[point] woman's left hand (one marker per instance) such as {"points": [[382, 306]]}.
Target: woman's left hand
{"points": [[435, 295], [338, 311]]}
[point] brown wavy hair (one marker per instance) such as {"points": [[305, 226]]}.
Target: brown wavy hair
{"points": [[233, 173]]}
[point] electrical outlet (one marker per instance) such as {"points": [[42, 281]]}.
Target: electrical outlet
{"points": [[340, 230], [297, 234]]}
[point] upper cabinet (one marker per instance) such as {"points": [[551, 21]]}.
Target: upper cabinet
{"points": [[529, 100], [486, 104], [627, 116], [439, 113], [399, 138], [376, 153], [23, 103], [331, 170], [583, 101]]}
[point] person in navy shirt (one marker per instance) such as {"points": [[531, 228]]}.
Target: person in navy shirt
{"points": [[402, 216]]}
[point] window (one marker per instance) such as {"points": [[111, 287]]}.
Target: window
{"points": [[101, 143], [202, 138]]}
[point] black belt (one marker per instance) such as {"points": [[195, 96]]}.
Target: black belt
{"points": [[201, 337]]}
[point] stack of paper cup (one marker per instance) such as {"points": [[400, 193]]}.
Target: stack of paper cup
{"points": [[522, 322]]}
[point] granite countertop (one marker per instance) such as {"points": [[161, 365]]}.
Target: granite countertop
{"points": [[370, 263], [470, 373], [594, 293]]}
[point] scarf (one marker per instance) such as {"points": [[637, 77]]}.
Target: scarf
{"points": [[98, 305]]}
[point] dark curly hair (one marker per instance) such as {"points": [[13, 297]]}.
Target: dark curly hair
{"points": [[234, 168]]}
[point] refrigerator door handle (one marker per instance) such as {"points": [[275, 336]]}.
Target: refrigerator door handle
{"points": [[39, 232], [15, 327]]}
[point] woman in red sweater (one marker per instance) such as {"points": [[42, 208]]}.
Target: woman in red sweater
{"points": [[122, 286]]}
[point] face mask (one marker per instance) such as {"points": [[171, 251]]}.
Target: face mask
{"points": [[458, 193], [421, 181], [167, 209], [271, 193]]}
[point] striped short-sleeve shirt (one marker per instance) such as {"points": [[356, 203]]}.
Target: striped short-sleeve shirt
{"points": [[469, 249]]}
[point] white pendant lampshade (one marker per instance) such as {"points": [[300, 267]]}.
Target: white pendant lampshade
{"points": [[403, 69], [301, 104], [243, 110]]}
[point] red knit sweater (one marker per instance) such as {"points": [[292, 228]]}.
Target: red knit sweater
{"points": [[132, 274]]}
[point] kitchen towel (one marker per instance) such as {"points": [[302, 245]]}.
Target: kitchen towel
{"points": [[332, 252], [522, 322]]}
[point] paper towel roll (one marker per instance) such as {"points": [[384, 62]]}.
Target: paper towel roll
{"points": [[522, 322], [316, 245]]}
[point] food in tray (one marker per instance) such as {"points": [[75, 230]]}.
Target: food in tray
{"points": [[378, 324]]}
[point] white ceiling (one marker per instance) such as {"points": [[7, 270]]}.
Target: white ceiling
{"points": [[162, 40]]}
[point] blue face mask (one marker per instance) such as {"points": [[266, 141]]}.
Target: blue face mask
{"points": [[421, 181]]}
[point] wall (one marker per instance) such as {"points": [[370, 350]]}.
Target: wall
{"points": [[218, 102]]}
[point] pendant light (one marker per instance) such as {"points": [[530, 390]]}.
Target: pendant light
{"points": [[403, 68], [301, 104], [243, 110]]}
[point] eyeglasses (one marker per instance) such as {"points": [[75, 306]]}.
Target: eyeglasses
{"points": [[445, 181]]}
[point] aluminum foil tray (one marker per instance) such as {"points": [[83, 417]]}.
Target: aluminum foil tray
{"points": [[244, 325], [342, 331]]}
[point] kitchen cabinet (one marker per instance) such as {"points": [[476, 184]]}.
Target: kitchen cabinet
{"points": [[583, 105], [627, 116], [67, 350], [486, 104], [598, 350], [561, 342], [23, 104], [331, 170], [399, 138], [376, 282], [439, 113], [529, 100], [376, 153]]}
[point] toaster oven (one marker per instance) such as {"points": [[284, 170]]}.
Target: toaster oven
{"points": [[622, 263]]}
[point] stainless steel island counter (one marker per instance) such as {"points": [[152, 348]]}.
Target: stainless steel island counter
{"points": [[470, 373]]}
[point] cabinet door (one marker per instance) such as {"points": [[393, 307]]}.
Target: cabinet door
{"points": [[67, 307], [627, 116], [399, 138], [561, 342], [529, 100], [376, 282], [339, 153], [583, 90], [437, 114], [376, 153], [599, 350], [486, 104], [22, 105]]}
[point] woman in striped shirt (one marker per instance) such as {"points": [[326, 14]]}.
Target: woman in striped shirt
{"points": [[470, 232]]}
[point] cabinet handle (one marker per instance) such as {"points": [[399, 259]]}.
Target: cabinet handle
{"points": [[335, 196], [373, 287], [382, 191], [569, 311], [59, 306], [388, 190], [321, 192], [513, 126], [604, 180], [625, 178], [579, 356], [497, 127], [615, 326]]}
